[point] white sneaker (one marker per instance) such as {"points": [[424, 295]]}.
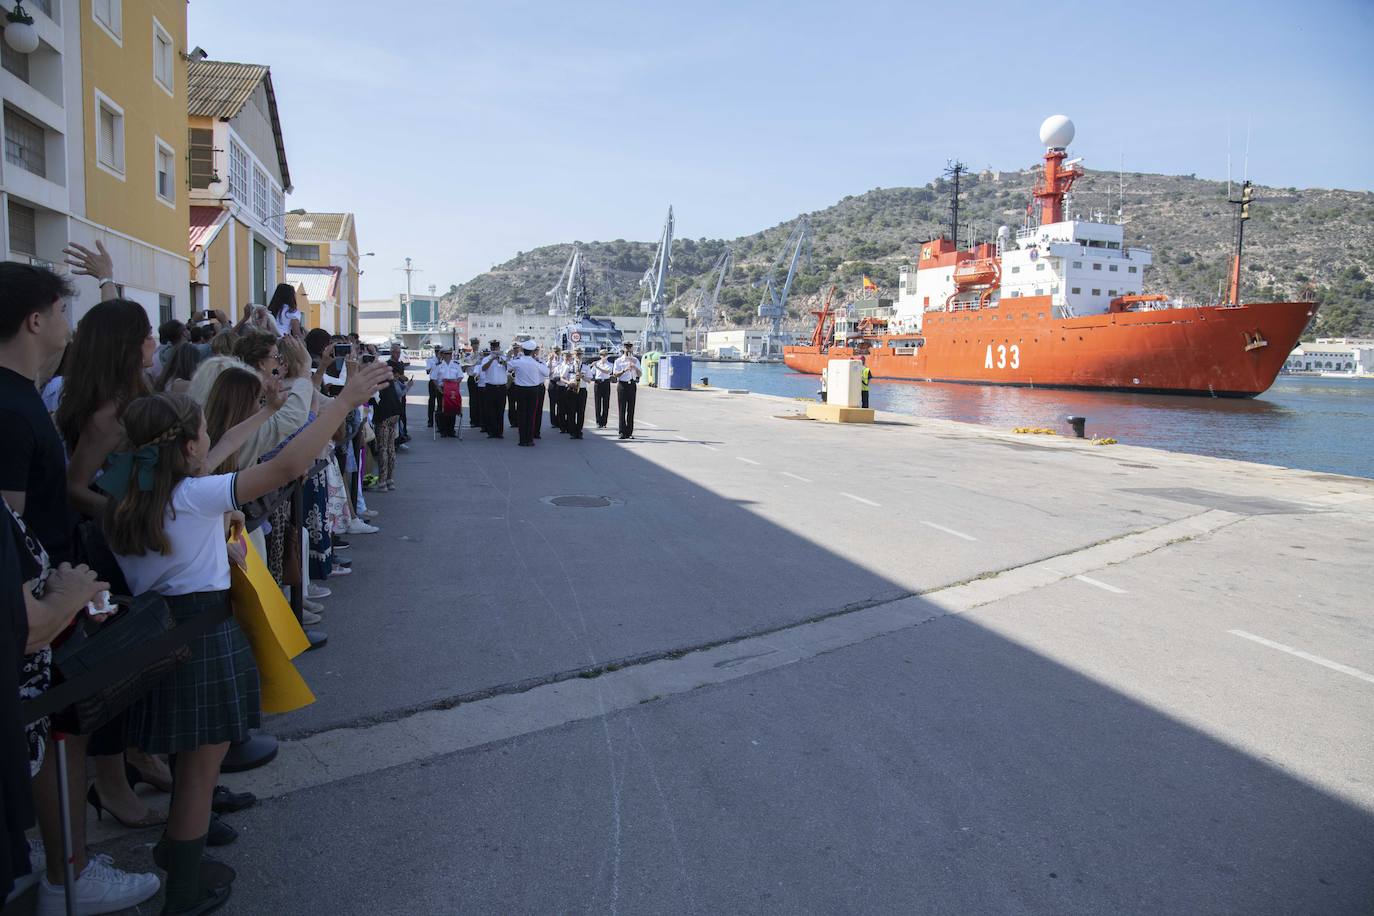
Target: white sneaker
{"points": [[102, 888], [358, 526], [369, 513], [38, 863], [341, 571], [316, 592], [313, 607], [309, 618]]}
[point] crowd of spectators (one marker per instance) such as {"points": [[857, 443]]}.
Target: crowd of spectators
{"points": [[142, 462]]}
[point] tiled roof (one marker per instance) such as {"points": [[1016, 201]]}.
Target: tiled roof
{"points": [[320, 283], [205, 222], [318, 227], [220, 89]]}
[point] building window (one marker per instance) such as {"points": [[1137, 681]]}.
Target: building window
{"points": [[14, 62], [162, 58], [25, 143], [238, 173], [278, 212], [23, 229], [1078, 264], [109, 14], [109, 135], [260, 193], [1097, 292], [164, 307], [201, 156], [1076, 290], [1097, 265], [1112, 268], [302, 252], [1131, 269], [164, 172]]}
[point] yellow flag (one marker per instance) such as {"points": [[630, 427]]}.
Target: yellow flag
{"points": [[272, 631], [869, 284]]}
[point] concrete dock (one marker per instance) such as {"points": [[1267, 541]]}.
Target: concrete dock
{"points": [[749, 663]]}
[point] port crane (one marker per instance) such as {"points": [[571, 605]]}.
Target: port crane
{"points": [[570, 292], [705, 312], [773, 305], [821, 338], [655, 283]]}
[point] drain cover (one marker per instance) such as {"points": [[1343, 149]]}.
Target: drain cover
{"points": [[580, 502]]}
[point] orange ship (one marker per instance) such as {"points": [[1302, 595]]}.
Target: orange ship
{"points": [[1060, 305]]}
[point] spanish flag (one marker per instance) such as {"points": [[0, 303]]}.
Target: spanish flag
{"points": [[869, 284]]}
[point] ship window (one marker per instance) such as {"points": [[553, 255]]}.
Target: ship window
{"points": [[1016, 294], [1097, 265], [1097, 292], [1016, 270], [1131, 269], [1112, 268], [1041, 316], [1077, 289], [1113, 244], [1040, 266], [1111, 292], [1054, 288], [1077, 263], [1040, 292], [1025, 316]]}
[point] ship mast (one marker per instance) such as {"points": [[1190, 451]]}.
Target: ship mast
{"points": [[1242, 206], [1056, 178], [952, 171]]}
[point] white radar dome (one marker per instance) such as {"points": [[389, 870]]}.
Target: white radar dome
{"points": [[1056, 132]]}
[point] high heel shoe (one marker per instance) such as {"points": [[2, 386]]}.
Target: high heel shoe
{"points": [[136, 776], [149, 819]]}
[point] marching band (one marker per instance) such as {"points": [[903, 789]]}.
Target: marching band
{"points": [[511, 386]]}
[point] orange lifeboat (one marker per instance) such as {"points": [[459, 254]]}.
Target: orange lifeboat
{"points": [[978, 272]]}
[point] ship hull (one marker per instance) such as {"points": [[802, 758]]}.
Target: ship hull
{"points": [[1219, 351]]}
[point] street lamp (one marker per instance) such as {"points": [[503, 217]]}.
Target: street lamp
{"points": [[20, 33]]}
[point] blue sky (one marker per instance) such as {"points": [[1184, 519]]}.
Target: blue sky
{"points": [[461, 133]]}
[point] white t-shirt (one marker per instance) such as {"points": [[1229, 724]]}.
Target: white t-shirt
{"points": [[285, 318], [195, 528]]}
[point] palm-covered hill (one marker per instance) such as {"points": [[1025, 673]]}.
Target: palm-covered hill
{"points": [[1299, 243]]}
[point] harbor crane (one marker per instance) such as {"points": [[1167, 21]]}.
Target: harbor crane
{"points": [[773, 305], [655, 283], [569, 294], [705, 312]]}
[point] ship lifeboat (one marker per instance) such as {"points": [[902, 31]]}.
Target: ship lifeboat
{"points": [[978, 272], [1124, 303]]}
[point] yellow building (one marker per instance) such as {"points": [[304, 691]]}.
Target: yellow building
{"points": [[238, 182], [95, 144], [322, 262]]}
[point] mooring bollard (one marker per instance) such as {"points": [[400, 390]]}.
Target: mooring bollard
{"points": [[1077, 423]]}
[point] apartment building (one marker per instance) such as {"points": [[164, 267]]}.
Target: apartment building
{"points": [[322, 262]]}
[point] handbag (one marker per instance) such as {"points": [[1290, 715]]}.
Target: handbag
{"points": [[106, 667]]}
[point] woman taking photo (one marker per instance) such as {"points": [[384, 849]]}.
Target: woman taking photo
{"points": [[165, 523]]}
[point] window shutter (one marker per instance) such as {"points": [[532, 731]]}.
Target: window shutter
{"points": [[107, 136]]}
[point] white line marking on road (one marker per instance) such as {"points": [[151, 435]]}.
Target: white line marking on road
{"points": [[711, 447], [1102, 585], [860, 499], [958, 534], [683, 438], [1317, 659], [650, 425], [796, 477], [746, 460]]}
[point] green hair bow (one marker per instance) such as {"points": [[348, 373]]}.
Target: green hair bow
{"points": [[124, 466]]}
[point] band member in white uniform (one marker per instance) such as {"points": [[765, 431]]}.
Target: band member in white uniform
{"points": [[434, 393], [494, 378], [446, 370], [555, 364], [625, 372], [474, 399], [601, 388], [529, 374], [577, 377]]}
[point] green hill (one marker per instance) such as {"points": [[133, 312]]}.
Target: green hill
{"points": [[1312, 242]]}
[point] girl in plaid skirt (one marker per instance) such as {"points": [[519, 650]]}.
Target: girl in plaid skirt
{"points": [[165, 523]]}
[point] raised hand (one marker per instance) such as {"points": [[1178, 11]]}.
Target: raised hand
{"points": [[87, 263]]}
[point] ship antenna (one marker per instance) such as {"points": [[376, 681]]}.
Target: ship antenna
{"points": [[1245, 174], [952, 171]]}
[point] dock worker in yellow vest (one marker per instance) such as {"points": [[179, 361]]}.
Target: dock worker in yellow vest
{"points": [[865, 375]]}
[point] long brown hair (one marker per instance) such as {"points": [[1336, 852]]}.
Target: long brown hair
{"points": [[233, 399], [134, 523], [105, 364], [181, 364]]}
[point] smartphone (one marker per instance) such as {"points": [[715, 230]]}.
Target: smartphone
{"points": [[343, 349], [368, 358]]}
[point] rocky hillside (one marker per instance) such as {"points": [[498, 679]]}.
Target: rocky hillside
{"points": [[1310, 242]]}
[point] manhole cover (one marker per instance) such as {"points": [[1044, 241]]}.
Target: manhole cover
{"points": [[580, 502]]}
